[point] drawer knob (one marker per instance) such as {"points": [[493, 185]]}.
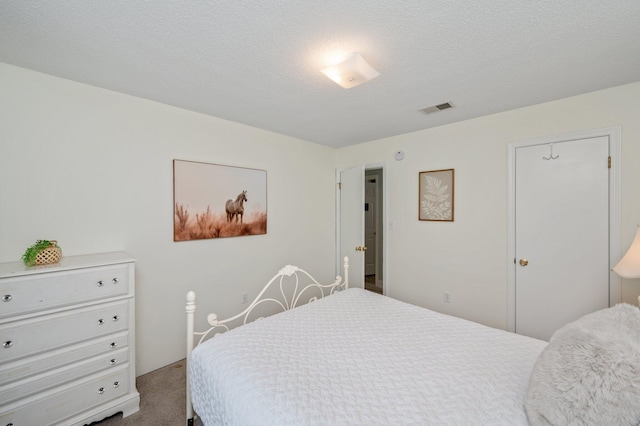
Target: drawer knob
{"points": [[7, 298], [101, 391], [113, 361], [115, 281], [7, 344], [113, 345], [116, 384], [115, 318], [100, 321], [100, 283]]}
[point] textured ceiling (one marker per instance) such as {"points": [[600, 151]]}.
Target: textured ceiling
{"points": [[257, 62]]}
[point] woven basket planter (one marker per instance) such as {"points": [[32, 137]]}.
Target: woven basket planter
{"points": [[49, 255]]}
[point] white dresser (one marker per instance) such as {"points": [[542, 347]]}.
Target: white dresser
{"points": [[68, 341]]}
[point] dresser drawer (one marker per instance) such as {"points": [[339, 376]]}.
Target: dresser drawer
{"points": [[12, 371], [48, 332], [25, 294], [68, 373], [53, 407]]}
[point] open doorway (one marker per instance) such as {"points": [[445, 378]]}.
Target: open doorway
{"points": [[356, 205], [373, 230]]}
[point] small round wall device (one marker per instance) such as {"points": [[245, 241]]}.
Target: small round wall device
{"points": [[399, 155]]}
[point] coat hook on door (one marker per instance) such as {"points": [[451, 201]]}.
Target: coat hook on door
{"points": [[551, 157]]}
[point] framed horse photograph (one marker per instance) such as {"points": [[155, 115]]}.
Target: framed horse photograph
{"points": [[217, 201]]}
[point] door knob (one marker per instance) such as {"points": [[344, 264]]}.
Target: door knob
{"points": [[524, 262]]}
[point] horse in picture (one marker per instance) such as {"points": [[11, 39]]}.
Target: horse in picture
{"points": [[236, 208]]}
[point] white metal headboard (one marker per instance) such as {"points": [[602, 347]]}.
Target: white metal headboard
{"points": [[282, 302]]}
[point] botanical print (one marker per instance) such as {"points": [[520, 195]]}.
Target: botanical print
{"points": [[436, 195], [215, 201]]}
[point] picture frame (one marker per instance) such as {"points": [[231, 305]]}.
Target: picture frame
{"points": [[217, 201], [436, 195]]}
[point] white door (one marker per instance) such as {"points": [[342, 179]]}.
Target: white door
{"points": [[561, 233], [370, 209], [352, 222]]}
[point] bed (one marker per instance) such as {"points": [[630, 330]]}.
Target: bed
{"points": [[352, 357]]}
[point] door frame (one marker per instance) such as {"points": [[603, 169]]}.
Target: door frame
{"points": [[383, 220], [614, 135]]}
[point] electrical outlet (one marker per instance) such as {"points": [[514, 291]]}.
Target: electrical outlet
{"points": [[447, 297], [245, 297]]}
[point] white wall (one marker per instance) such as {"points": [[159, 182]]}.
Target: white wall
{"points": [[469, 256], [93, 169]]}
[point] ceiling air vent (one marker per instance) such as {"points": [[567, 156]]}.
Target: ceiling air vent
{"points": [[436, 108]]}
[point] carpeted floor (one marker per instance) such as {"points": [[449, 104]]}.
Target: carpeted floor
{"points": [[162, 399]]}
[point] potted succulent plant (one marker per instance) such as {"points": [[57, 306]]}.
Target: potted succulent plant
{"points": [[42, 252]]}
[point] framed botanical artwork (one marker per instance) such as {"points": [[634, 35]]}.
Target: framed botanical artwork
{"points": [[216, 201], [435, 195]]}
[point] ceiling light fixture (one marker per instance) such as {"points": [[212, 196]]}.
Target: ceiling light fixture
{"points": [[351, 72]]}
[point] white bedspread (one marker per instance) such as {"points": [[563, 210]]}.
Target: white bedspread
{"points": [[357, 358]]}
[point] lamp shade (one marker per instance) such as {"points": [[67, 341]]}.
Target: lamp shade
{"points": [[351, 72], [629, 265]]}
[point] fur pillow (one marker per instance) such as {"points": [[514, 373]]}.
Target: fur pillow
{"points": [[589, 374]]}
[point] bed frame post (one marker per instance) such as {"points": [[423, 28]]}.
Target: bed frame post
{"points": [[346, 272], [190, 308]]}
